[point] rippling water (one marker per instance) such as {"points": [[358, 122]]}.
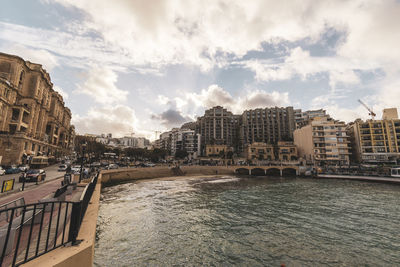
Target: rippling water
{"points": [[249, 222]]}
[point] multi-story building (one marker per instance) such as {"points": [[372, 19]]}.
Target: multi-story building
{"points": [[259, 151], [180, 139], [303, 118], [323, 141], [376, 141], [216, 150], [220, 127], [286, 151], [33, 117], [268, 125]]}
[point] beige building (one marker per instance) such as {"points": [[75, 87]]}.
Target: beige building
{"points": [[376, 141], [259, 151], [215, 150], [286, 151], [33, 117], [323, 141]]}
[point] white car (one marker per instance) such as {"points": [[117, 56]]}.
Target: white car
{"points": [[76, 169], [2, 171], [62, 168]]}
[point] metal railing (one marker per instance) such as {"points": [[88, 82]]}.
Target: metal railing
{"points": [[29, 231]]}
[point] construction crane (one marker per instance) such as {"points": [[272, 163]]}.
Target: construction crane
{"points": [[156, 133], [371, 113]]}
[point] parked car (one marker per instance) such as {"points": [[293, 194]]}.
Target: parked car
{"points": [[12, 170], [33, 175], [23, 167], [76, 169], [112, 166], [2, 171], [62, 168]]}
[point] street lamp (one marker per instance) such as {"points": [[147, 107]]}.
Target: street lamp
{"points": [[82, 159]]}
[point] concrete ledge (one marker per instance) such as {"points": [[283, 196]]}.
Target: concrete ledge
{"points": [[129, 174], [82, 254]]}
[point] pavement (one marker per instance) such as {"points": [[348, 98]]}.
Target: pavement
{"points": [[33, 192]]}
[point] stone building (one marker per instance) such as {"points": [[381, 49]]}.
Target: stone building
{"points": [[33, 117], [218, 126], [259, 151], [323, 142], [268, 125], [376, 141]]}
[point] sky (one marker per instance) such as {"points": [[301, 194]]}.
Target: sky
{"points": [[141, 66]]}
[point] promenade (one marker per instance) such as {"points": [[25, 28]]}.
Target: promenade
{"points": [[362, 178]]}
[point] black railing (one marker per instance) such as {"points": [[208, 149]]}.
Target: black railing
{"points": [[29, 231]]}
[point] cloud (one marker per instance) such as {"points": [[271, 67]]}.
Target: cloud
{"points": [[118, 120], [38, 56], [299, 63], [171, 118], [100, 85], [215, 95]]}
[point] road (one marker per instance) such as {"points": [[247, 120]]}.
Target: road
{"points": [[51, 174]]}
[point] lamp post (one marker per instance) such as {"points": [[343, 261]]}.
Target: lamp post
{"points": [[82, 159]]}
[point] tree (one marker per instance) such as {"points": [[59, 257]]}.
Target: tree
{"points": [[181, 154]]}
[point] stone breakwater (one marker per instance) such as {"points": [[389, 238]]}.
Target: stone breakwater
{"points": [[130, 174]]}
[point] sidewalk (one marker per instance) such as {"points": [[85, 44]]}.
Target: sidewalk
{"points": [[33, 194]]}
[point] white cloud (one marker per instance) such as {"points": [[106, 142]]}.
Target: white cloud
{"points": [[217, 96], [38, 56], [300, 63], [118, 120], [101, 86]]}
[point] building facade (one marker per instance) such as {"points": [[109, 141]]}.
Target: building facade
{"points": [[259, 151], [323, 142], [218, 126], [302, 118], [376, 141], [268, 125], [33, 117]]}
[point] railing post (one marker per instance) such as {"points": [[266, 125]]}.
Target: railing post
{"points": [[75, 222]]}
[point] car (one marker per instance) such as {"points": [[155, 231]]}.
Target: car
{"points": [[12, 170], [33, 175], [112, 166], [62, 168], [23, 167], [149, 164], [76, 169], [2, 171]]}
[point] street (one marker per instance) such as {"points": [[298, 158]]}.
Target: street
{"points": [[51, 174]]}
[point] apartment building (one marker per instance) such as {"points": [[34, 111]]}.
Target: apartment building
{"points": [[268, 125], [33, 117], [218, 126], [302, 118], [323, 142], [376, 141]]}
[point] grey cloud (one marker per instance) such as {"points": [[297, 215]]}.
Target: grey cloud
{"points": [[171, 118]]}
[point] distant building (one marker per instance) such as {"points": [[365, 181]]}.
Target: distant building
{"points": [[323, 142], [376, 141], [216, 150], [268, 125], [302, 118], [180, 139], [259, 151], [33, 116], [218, 126], [286, 151]]}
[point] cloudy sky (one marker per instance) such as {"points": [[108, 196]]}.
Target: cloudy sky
{"points": [[141, 66]]}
